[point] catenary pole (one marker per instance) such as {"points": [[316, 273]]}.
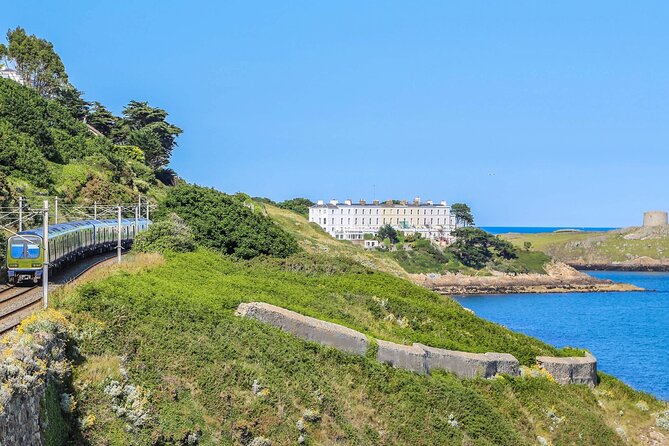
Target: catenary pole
{"points": [[118, 247], [147, 212], [20, 214], [55, 217], [95, 210], [45, 251]]}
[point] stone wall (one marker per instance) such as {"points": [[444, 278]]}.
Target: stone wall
{"points": [[417, 358], [34, 357]]}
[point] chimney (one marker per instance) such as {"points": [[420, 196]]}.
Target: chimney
{"points": [[416, 201], [443, 202], [389, 201], [376, 202], [403, 202], [363, 202], [320, 202], [334, 202], [348, 202], [430, 202]]}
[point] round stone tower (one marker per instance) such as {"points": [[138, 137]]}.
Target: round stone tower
{"points": [[654, 218]]}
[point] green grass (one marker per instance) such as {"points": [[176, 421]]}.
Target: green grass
{"points": [[174, 327]]}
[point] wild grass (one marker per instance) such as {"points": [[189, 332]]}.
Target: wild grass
{"points": [[173, 326]]}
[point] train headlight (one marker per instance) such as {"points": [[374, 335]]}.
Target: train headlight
{"points": [[36, 265], [13, 265]]}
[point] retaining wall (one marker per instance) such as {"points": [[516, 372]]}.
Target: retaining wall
{"points": [[418, 358], [33, 358]]}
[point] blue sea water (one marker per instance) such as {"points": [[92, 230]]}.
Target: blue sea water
{"points": [[536, 229], [627, 332]]}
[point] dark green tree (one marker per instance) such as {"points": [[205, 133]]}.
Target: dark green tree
{"points": [[101, 119], [299, 205], [146, 127], [463, 214], [475, 247], [388, 232], [35, 61], [71, 98]]}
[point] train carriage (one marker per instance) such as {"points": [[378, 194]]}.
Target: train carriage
{"points": [[68, 242]]}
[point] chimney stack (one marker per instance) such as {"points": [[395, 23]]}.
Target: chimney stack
{"points": [[348, 202], [334, 202], [320, 202], [376, 202], [416, 201], [362, 202], [443, 202]]}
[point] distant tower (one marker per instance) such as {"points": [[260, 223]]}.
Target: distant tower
{"points": [[654, 218]]}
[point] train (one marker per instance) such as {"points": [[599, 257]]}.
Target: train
{"points": [[68, 243]]}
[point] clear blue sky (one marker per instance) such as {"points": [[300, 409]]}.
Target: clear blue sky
{"points": [[534, 112]]}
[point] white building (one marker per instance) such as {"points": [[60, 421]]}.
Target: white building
{"points": [[351, 221], [8, 73]]}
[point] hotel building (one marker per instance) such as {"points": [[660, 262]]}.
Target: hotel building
{"points": [[351, 221]]}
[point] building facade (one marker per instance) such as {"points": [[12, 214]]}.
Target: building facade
{"points": [[8, 73], [351, 221]]}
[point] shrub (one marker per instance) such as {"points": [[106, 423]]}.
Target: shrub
{"points": [[299, 205], [171, 234], [224, 223]]}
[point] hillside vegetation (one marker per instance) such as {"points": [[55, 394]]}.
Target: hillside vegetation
{"points": [[167, 331]]}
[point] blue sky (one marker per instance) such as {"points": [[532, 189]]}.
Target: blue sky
{"points": [[533, 112]]}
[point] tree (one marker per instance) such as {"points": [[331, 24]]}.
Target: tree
{"points": [[475, 247], [35, 61], [101, 119], [388, 232], [299, 205], [72, 100], [527, 246], [463, 214], [146, 127]]}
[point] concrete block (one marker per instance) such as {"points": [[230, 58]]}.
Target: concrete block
{"points": [[572, 370], [469, 365], [407, 357], [305, 327]]}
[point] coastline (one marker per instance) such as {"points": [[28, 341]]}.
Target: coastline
{"points": [[659, 267], [559, 278]]}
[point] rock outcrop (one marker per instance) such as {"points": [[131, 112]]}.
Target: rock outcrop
{"points": [[560, 278]]}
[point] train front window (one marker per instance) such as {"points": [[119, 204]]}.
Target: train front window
{"points": [[32, 250], [17, 249]]}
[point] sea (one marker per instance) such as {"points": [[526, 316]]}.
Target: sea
{"points": [[628, 332], [537, 229]]}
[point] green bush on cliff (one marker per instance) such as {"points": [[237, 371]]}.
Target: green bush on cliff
{"points": [[224, 223]]}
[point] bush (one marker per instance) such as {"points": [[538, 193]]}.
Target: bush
{"points": [[20, 156], [171, 234], [224, 223], [299, 205]]}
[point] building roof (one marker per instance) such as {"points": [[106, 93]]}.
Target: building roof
{"points": [[383, 204]]}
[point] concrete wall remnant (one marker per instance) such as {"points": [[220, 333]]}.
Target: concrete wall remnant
{"points": [[307, 328], [469, 365], [418, 358], [407, 357], [572, 370]]}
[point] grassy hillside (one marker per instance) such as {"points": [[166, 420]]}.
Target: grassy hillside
{"points": [[184, 365], [626, 245]]}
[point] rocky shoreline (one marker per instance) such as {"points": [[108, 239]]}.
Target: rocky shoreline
{"points": [[560, 278], [656, 266]]}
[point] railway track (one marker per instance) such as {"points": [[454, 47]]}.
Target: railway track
{"points": [[17, 303]]}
